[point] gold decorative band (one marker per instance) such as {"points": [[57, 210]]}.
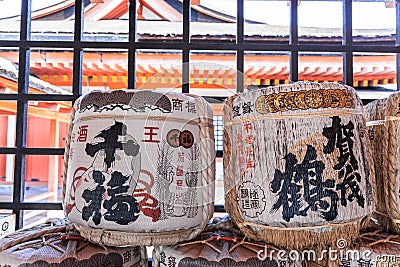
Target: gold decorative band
{"points": [[302, 115], [305, 99]]}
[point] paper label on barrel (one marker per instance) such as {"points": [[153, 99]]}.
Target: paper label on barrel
{"points": [[134, 170], [300, 170]]}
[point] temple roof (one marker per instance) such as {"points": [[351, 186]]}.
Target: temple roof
{"points": [[117, 30], [211, 73], [108, 69]]}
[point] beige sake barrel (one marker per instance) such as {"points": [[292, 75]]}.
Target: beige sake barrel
{"points": [[140, 167], [222, 244], [383, 130], [56, 243], [297, 164]]}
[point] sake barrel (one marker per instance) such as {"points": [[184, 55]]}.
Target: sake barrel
{"points": [[140, 167], [383, 128], [56, 243], [373, 248], [222, 244], [296, 164]]}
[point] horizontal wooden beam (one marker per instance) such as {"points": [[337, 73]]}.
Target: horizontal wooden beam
{"points": [[11, 106]]}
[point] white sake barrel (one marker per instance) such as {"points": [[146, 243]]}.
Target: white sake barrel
{"points": [[296, 161], [140, 167], [56, 243]]}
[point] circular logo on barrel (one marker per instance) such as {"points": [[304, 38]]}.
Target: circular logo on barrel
{"points": [[251, 199], [186, 139], [5, 226], [173, 137]]}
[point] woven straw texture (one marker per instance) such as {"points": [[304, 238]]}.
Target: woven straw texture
{"points": [[220, 244], [56, 242], [297, 164], [140, 167], [383, 128]]}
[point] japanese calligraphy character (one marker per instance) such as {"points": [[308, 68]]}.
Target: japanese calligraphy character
{"points": [[345, 262], [250, 163], [82, 133], [151, 132], [110, 144], [236, 111], [171, 261], [303, 181], [249, 151], [94, 198], [122, 208], [244, 193], [254, 203], [364, 263], [191, 107], [127, 256], [179, 170], [350, 183], [163, 258], [254, 194], [181, 156], [179, 182], [186, 139], [246, 108], [249, 139], [340, 136], [176, 104], [247, 127], [246, 204]]}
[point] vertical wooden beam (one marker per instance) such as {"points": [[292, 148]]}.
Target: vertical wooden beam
{"points": [[78, 52], [348, 42], [186, 47], [22, 110], [132, 45], [239, 49], [294, 41]]}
